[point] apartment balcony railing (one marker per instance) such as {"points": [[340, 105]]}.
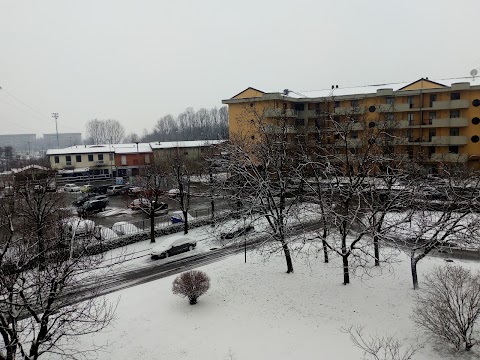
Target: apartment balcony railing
{"points": [[450, 104], [449, 157], [449, 140], [351, 143], [349, 110], [280, 113]]}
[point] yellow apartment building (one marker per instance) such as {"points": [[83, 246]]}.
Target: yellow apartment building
{"points": [[435, 123]]}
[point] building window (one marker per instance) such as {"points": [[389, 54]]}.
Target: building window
{"points": [[454, 132], [410, 118], [336, 118], [454, 114], [185, 153], [299, 122], [124, 159], [433, 97], [453, 149], [336, 104], [100, 156], [455, 96], [431, 115], [354, 135], [147, 158], [431, 134], [390, 100], [57, 159], [431, 150], [68, 158], [78, 158], [410, 100], [90, 157], [354, 103]]}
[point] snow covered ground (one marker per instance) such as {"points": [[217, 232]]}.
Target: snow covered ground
{"points": [[257, 311]]}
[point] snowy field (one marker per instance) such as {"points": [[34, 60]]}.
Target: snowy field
{"points": [[257, 311]]}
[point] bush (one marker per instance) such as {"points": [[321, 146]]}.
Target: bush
{"points": [[191, 284], [449, 305]]}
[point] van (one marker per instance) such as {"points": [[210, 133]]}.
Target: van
{"points": [[114, 189]]}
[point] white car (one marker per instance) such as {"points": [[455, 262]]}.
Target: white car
{"points": [[125, 228], [173, 193], [71, 188], [79, 226], [178, 246]]}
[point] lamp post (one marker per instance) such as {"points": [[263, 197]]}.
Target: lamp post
{"points": [[138, 159]]}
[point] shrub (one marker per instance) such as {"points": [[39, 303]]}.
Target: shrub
{"points": [[449, 305], [191, 284]]}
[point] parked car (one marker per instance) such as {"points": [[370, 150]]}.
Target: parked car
{"points": [[81, 227], [114, 189], [177, 217], [71, 188], [237, 232], [143, 204], [86, 188], [101, 197], [100, 189], [51, 187], [133, 190], [92, 206], [125, 228], [173, 193], [83, 199], [179, 246]]}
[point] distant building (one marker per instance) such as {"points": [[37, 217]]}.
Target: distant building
{"points": [[21, 143], [64, 140]]}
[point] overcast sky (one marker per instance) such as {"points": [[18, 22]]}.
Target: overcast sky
{"points": [[138, 60]]}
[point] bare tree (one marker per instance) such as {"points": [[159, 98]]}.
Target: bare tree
{"points": [[104, 131], [191, 284], [36, 315], [448, 307], [264, 173], [177, 169], [380, 347]]}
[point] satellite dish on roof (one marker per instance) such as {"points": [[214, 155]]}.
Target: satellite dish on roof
{"points": [[474, 73]]}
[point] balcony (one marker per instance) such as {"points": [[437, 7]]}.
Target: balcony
{"points": [[382, 108], [308, 113], [350, 143], [448, 157], [275, 129], [450, 104], [403, 107], [280, 113], [449, 140], [450, 122], [395, 124], [349, 110]]}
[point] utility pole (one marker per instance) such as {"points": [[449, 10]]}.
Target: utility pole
{"points": [[55, 116]]}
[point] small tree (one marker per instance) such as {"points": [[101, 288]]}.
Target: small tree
{"points": [[191, 284], [380, 347], [449, 305]]}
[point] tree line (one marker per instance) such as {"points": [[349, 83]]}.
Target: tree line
{"points": [[203, 124]]}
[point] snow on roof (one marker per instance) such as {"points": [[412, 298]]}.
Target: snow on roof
{"points": [[132, 148], [184, 144], [372, 89], [82, 149]]}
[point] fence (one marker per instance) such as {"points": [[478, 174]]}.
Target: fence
{"points": [[141, 226]]}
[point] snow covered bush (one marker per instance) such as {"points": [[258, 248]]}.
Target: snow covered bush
{"points": [[191, 284], [449, 305]]}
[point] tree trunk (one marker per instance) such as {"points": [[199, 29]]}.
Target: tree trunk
{"points": [[325, 247], [376, 251], [193, 300], [185, 223], [346, 274], [413, 265], [152, 223], [288, 257]]}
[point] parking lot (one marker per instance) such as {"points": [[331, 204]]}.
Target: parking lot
{"points": [[117, 209]]}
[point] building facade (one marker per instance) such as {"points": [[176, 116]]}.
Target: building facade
{"points": [[433, 123], [21, 143], [130, 157], [64, 140]]}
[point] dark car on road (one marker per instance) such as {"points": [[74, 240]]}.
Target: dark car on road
{"points": [[100, 189], [236, 233], [92, 206], [84, 198], [179, 246]]}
